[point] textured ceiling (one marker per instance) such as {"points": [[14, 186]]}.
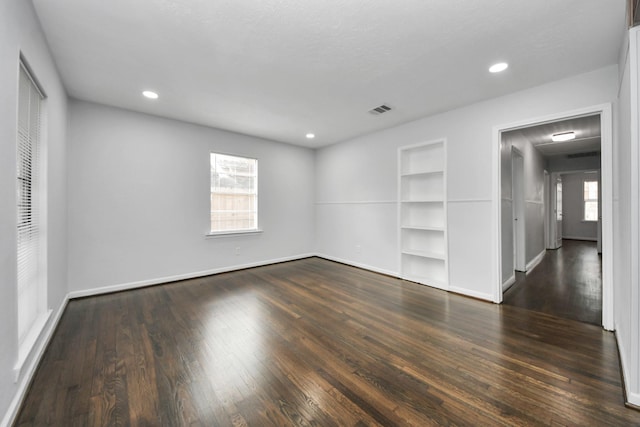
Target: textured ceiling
{"points": [[281, 68], [587, 139]]}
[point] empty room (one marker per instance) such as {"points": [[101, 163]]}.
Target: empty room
{"points": [[319, 213]]}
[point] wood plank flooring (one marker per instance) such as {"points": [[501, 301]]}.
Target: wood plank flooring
{"points": [[567, 283], [316, 343]]}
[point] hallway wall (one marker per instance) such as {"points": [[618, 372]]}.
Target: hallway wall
{"points": [[533, 199]]}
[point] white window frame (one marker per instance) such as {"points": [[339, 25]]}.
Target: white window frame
{"points": [[255, 228], [31, 240], [585, 201]]}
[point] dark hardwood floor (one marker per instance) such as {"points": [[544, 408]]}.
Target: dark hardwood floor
{"points": [[316, 343], [567, 283]]}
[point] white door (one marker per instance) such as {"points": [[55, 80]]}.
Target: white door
{"points": [[519, 228], [558, 211]]}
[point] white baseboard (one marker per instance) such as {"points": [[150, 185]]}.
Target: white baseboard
{"points": [[534, 262], [508, 283], [586, 239], [359, 265], [474, 294], [632, 398], [27, 373], [185, 276]]}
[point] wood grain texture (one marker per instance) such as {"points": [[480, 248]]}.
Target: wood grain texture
{"points": [[567, 283], [317, 343]]}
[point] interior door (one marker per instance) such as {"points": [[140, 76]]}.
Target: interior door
{"points": [[558, 210]]}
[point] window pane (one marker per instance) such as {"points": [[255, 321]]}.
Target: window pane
{"points": [[234, 193], [591, 190], [591, 211]]}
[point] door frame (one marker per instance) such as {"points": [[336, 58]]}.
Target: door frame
{"points": [[518, 211], [547, 209], [556, 235], [606, 166]]}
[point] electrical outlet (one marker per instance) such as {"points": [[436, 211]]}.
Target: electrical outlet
{"points": [[358, 249], [237, 251]]}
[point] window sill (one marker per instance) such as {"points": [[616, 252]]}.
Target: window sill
{"points": [[232, 233]]}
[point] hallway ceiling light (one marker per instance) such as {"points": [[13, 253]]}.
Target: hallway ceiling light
{"points": [[500, 66], [564, 136], [149, 94], [310, 136]]}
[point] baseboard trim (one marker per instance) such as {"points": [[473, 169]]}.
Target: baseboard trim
{"points": [[473, 294], [586, 239], [537, 260], [632, 400], [28, 372], [509, 283], [168, 279], [359, 265]]}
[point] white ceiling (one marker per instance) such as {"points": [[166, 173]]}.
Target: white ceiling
{"points": [[587, 130], [281, 68]]}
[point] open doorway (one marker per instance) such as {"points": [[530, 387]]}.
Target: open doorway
{"points": [[544, 163]]}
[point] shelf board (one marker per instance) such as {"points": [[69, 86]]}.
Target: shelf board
{"points": [[424, 201], [428, 281], [433, 172], [424, 254], [422, 227]]}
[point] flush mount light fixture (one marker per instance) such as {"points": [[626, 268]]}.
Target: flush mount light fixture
{"points": [[564, 136], [310, 136], [500, 66], [149, 94]]}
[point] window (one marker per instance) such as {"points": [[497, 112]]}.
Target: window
{"points": [[234, 194], [590, 200], [31, 265]]}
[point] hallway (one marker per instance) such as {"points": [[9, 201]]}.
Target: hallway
{"points": [[567, 283]]}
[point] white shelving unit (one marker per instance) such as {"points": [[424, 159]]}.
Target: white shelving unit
{"points": [[423, 214]]}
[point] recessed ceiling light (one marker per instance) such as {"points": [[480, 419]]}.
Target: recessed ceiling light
{"points": [[149, 94], [310, 136], [500, 66], [564, 136]]}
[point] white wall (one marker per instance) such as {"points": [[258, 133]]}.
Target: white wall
{"points": [[573, 225], [625, 210], [139, 199], [20, 32], [533, 200], [359, 176]]}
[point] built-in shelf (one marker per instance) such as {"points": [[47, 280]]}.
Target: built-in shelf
{"points": [[434, 172], [418, 227], [424, 254], [422, 214]]}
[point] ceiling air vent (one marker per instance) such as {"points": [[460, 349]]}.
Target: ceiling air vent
{"points": [[380, 109], [589, 154]]}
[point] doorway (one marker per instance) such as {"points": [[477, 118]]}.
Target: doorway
{"points": [[501, 212]]}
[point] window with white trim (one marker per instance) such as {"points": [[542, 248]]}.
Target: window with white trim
{"points": [[234, 194], [31, 265], [590, 195]]}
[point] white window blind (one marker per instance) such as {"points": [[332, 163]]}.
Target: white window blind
{"points": [[234, 193], [31, 287]]}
